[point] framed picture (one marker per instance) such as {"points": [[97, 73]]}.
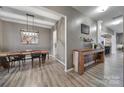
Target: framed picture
{"points": [[29, 37], [85, 29]]}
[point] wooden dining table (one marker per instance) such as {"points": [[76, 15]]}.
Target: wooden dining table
{"points": [[26, 52]]}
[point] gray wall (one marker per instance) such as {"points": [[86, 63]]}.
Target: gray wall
{"points": [[12, 37], [74, 20]]}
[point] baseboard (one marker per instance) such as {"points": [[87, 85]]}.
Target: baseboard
{"points": [[68, 70], [58, 60]]}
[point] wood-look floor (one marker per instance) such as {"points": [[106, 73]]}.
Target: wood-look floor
{"points": [[52, 74]]}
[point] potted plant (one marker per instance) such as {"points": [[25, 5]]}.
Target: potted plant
{"points": [[95, 46]]}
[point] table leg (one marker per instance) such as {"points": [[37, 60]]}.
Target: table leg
{"points": [[19, 64]]}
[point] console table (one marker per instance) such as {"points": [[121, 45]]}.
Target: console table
{"points": [[81, 58]]}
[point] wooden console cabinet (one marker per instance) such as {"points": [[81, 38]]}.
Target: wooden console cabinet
{"points": [[81, 58]]}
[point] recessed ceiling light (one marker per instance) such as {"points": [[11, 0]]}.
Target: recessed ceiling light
{"points": [[102, 8]]}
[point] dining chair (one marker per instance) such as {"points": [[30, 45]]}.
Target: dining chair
{"points": [[44, 54], [16, 58], [4, 62], [43, 57], [21, 57], [35, 55]]}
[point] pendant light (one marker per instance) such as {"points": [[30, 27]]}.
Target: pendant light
{"points": [[30, 22]]}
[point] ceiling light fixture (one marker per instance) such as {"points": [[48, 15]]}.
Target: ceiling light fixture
{"points": [[102, 8], [31, 16]]}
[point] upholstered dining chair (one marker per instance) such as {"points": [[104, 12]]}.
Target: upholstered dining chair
{"points": [[44, 54], [21, 57], [4, 62], [35, 55], [16, 58], [43, 57]]}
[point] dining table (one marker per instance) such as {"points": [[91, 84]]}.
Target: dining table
{"points": [[25, 52]]}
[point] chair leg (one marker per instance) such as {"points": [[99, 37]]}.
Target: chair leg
{"points": [[39, 62], [43, 58], [11, 64], [32, 62], [8, 66], [19, 64], [14, 63], [48, 56], [23, 62]]}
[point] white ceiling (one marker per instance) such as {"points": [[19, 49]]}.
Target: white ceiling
{"points": [[106, 17], [43, 16]]}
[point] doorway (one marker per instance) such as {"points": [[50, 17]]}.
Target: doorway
{"points": [[54, 42]]}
